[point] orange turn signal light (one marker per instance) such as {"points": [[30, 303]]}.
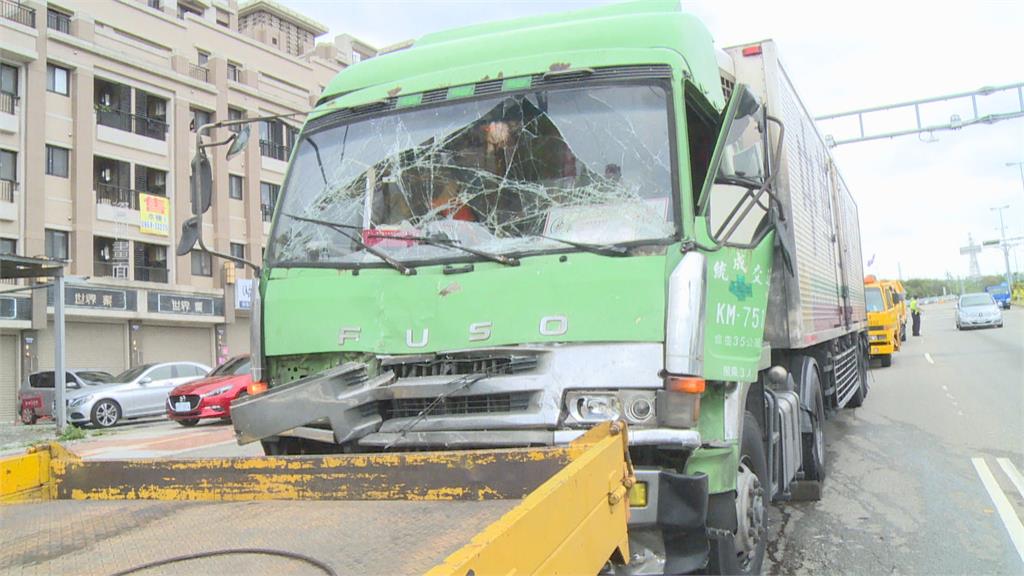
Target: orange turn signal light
{"points": [[685, 384], [256, 388]]}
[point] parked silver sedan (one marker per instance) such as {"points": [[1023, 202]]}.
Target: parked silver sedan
{"points": [[135, 393], [978, 310]]}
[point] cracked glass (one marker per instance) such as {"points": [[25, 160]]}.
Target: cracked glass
{"points": [[590, 165]]}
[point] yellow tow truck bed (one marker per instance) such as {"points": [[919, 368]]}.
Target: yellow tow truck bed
{"points": [[524, 511]]}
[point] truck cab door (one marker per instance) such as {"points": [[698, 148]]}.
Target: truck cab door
{"points": [[734, 231]]}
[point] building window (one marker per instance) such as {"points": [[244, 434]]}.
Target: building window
{"points": [[277, 139], [235, 114], [223, 18], [155, 4], [150, 180], [8, 165], [58, 79], [8, 80], [57, 20], [268, 198], [150, 262], [8, 246], [56, 244], [200, 118], [8, 175], [238, 251], [233, 71], [202, 263], [235, 186], [356, 57], [57, 161], [202, 57]]}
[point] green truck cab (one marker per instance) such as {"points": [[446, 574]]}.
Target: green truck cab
{"points": [[511, 232]]}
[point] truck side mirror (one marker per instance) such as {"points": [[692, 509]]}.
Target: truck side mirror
{"points": [[201, 183]]}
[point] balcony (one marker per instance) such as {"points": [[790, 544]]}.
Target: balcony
{"points": [[123, 120], [8, 209], [201, 73], [108, 269], [58, 21], [7, 102], [117, 196], [151, 274], [17, 12], [274, 150]]}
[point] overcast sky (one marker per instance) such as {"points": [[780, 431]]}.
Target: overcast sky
{"points": [[918, 201]]}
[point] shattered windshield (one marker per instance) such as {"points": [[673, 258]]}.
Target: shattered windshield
{"points": [[588, 165]]}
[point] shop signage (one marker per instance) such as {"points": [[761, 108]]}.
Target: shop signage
{"points": [[243, 294], [96, 298], [154, 215], [185, 304]]}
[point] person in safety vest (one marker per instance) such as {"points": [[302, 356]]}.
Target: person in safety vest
{"points": [[915, 314]]}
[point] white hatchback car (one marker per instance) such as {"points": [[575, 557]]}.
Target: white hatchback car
{"points": [[135, 393]]}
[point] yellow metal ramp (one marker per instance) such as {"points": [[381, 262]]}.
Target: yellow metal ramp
{"points": [[516, 511]]}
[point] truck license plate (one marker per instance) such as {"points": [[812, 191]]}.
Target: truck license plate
{"points": [[182, 407]]}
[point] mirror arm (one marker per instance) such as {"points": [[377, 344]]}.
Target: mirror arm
{"points": [[202, 247]]}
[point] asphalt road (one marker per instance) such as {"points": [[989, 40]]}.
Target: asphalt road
{"points": [[906, 488]]}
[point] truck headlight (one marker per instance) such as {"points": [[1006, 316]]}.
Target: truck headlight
{"points": [[591, 407]]}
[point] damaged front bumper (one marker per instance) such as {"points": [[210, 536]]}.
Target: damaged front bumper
{"points": [[341, 406]]}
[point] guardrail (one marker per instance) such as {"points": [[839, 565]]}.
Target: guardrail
{"points": [[274, 150], [151, 274], [7, 102], [18, 12], [117, 196], [122, 120], [7, 190], [198, 72]]}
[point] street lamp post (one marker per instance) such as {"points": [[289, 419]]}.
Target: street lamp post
{"points": [[1020, 166], [1006, 247]]}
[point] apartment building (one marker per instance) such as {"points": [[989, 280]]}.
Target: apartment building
{"points": [[98, 106]]}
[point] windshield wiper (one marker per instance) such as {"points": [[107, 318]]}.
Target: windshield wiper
{"points": [[613, 250], [343, 230], [449, 243]]}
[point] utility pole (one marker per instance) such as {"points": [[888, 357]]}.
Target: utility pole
{"points": [[1006, 247]]}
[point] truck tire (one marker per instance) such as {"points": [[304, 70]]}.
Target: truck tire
{"points": [[814, 442], [886, 360], [903, 332], [747, 547]]}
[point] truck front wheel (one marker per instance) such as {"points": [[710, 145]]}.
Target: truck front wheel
{"points": [[886, 360], [748, 544]]}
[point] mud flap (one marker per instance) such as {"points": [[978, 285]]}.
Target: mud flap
{"points": [[682, 517]]}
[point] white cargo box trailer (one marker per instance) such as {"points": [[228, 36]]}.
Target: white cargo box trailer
{"points": [[824, 298], [820, 302]]}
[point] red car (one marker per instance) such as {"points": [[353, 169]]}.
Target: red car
{"points": [[210, 396]]}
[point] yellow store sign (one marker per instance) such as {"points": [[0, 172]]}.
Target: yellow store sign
{"points": [[155, 214]]}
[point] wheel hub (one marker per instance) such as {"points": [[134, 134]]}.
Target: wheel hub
{"points": [[750, 527]]}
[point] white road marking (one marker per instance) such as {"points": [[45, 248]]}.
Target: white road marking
{"points": [[944, 388], [948, 395], [959, 413], [1013, 473], [1003, 507], [928, 357]]}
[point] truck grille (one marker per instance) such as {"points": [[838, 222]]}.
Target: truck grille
{"points": [[457, 405], [457, 365]]}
